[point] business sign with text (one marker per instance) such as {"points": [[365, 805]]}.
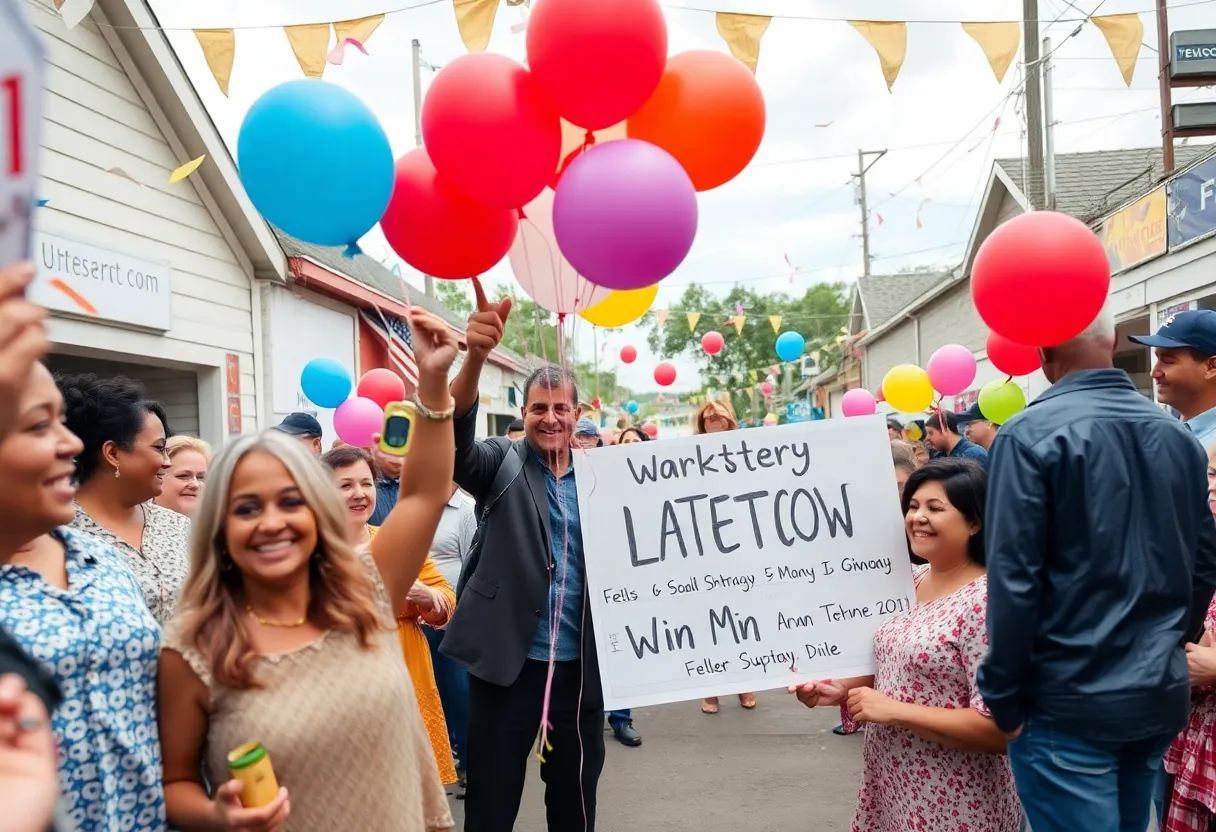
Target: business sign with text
{"points": [[741, 561], [1193, 204], [1135, 233]]}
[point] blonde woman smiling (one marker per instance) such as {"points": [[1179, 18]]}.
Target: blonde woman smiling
{"points": [[284, 635], [188, 461]]}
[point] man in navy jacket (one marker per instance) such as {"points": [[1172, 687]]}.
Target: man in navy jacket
{"points": [[1101, 566]]}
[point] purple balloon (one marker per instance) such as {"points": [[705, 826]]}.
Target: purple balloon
{"points": [[625, 214]]}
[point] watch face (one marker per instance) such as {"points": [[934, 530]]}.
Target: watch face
{"points": [[396, 431]]}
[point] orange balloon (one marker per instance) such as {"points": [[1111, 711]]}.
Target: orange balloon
{"points": [[708, 112]]}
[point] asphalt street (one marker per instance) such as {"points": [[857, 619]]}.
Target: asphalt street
{"points": [[777, 767]]}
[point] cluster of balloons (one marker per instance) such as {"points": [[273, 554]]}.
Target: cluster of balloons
{"points": [[326, 382]]}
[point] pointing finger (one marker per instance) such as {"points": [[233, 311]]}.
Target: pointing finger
{"points": [[480, 295]]}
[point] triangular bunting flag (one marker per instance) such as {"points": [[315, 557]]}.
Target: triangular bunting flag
{"points": [[890, 41], [738, 321], [219, 50], [999, 42], [753, 375], [186, 169], [660, 316], [309, 42], [74, 11], [742, 33], [775, 322], [693, 317], [475, 22], [359, 29], [1124, 33]]}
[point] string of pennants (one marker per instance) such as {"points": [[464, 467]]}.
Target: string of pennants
{"points": [[311, 42]]}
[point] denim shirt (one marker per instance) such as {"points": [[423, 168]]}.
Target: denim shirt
{"points": [[969, 450], [386, 501], [566, 544], [1204, 428]]}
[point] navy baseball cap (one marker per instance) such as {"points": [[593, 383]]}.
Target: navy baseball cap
{"points": [[300, 424], [1195, 329], [971, 414]]}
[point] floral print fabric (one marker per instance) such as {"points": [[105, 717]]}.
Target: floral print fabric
{"points": [[929, 656]]}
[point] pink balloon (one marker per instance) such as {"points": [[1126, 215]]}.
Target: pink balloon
{"points": [[951, 369], [650, 429], [540, 268], [629, 354], [712, 343], [766, 387], [356, 420], [665, 374], [858, 403]]}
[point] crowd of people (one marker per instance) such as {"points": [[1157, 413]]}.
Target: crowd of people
{"points": [[390, 627]]}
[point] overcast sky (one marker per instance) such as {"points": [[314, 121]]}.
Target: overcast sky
{"points": [[825, 96]]}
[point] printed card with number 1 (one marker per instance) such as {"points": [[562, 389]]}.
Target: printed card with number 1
{"points": [[21, 67]]}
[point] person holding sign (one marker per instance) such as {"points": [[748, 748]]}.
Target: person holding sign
{"points": [[522, 627], [933, 757], [715, 417]]}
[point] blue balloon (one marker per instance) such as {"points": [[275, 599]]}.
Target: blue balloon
{"points": [[790, 346], [632, 406], [316, 162], [326, 382]]}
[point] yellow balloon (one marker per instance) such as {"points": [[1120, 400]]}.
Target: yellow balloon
{"points": [[907, 388], [622, 307]]}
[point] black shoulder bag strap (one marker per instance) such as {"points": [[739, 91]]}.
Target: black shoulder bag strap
{"points": [[508, 471]]}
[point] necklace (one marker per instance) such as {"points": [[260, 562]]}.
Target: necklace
{"points": [[266, 622]]}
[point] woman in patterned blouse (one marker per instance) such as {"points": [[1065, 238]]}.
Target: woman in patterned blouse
{"points": [[121, 469], [72, 604]]}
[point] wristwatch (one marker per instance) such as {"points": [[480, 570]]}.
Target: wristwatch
{"points": [[434, 415]]}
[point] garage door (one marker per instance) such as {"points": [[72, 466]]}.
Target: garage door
{"points": [[175, 390]]}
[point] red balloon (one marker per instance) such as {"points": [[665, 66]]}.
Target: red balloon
{"points": [[381, 386], [1040, 279], [437, 230], [665, 374], [1011, 358], [597, 61], [628, 355], [879, 396], [595, 403], [650, 429], [490, 130], [712, 343], [766, 387]]}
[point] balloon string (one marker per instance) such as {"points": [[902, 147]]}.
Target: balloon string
{"points": [[588, 141]]}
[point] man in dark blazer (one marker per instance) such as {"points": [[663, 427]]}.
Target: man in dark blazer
{"points": [[522, 625]]}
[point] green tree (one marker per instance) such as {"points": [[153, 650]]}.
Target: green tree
{"points": [[456, 295], [817, 315]]}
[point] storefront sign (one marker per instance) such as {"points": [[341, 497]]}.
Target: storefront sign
{"points": [[1195, 52], [1135, 233], [1193, 204], [21, 63], [84, 279], [741, 561], [1166, 313]]}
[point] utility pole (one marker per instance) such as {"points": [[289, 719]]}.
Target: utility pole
{"points": [[417, 53], [862, 167], [1034, 103], [1165, 87], [1049, 137]]}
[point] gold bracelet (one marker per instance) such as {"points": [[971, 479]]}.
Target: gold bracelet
{"points": [[435, 415]]}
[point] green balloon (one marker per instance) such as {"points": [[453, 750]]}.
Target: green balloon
{"points": [[1001, 400]]}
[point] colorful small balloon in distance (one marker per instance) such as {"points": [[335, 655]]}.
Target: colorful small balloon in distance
{"points": [[490, 129], [625, 214], [704, 93], [771, 419], [597, 62], [629, 354], [665, 374], [1011, 358], [651, 430], [382, 386], [879, 395], [308, 125], [595, 403], [858, 402], [712, 343], [1040, 278], [326, 382], [1001, 400], [357, 420], [766, 387], [620, 308], [789, 346], [907, 388], [631, 406], [951, 369]]}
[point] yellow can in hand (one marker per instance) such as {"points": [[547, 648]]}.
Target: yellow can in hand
{"points": [[251, 765]]}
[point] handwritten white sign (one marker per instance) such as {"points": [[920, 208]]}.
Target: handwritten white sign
{"points": [[20, 126], [741, 561]]}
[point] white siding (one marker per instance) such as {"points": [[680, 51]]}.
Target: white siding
{"points": [[175, 390], [95, 120]]}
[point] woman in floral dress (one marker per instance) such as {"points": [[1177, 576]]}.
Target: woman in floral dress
{"points": [[1191, 760], [933, 758]]}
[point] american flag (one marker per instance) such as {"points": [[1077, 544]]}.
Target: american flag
{"points": [[399, 341]]}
